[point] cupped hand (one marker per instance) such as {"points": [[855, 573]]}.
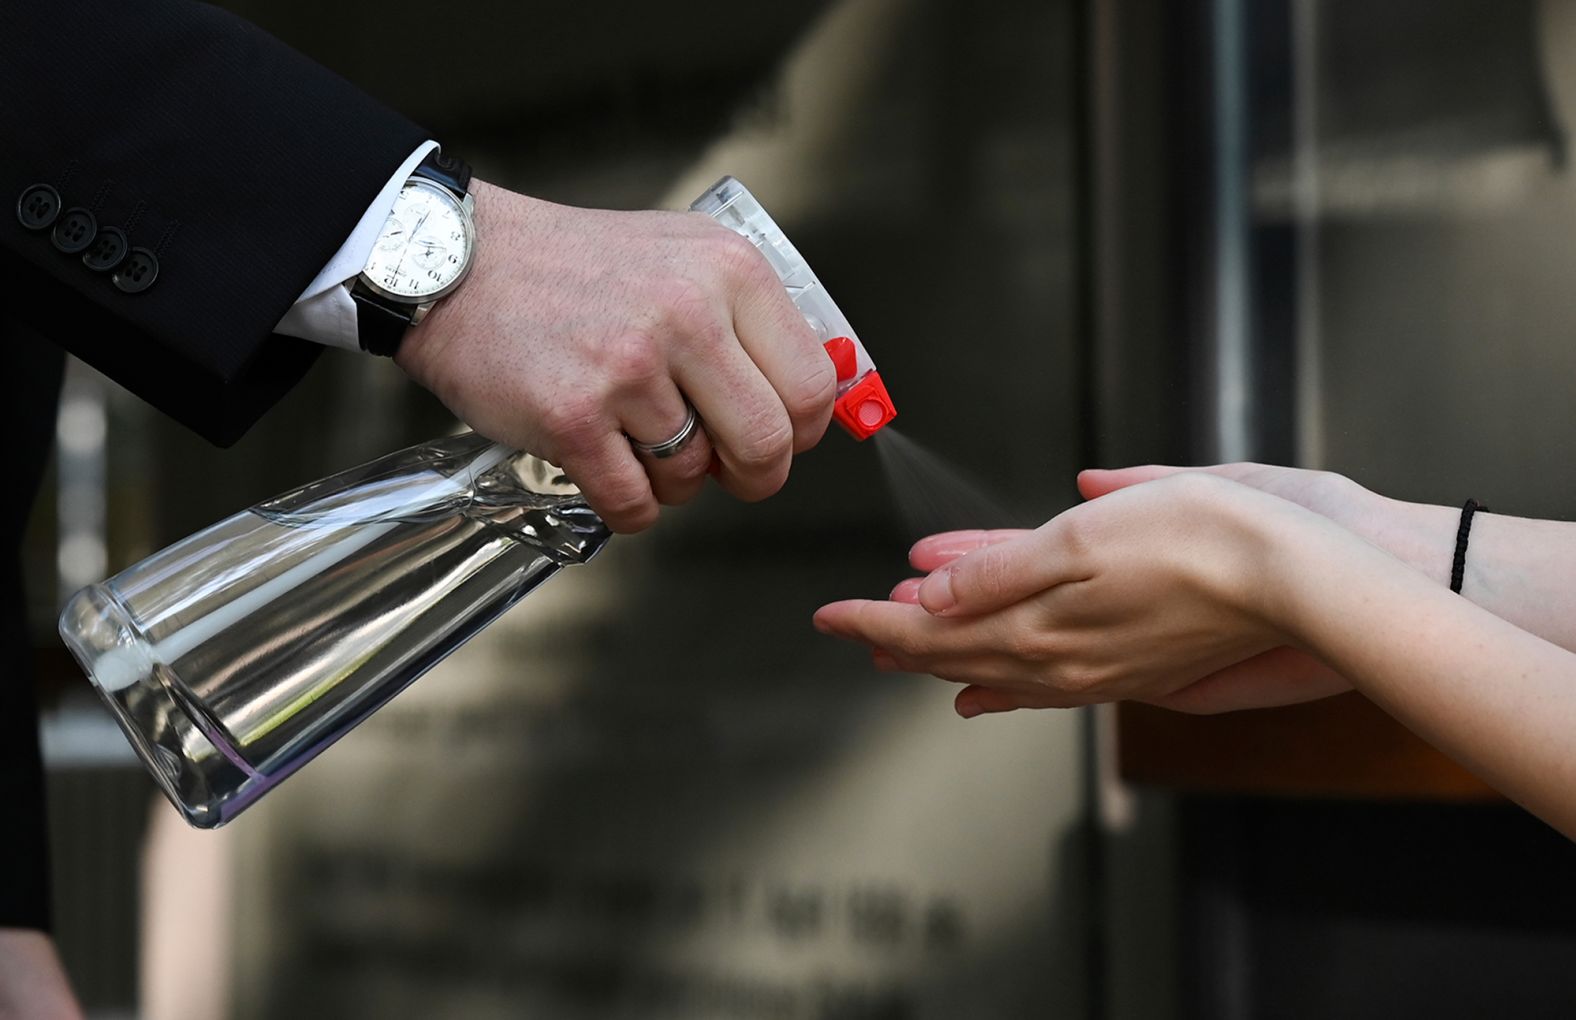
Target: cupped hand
{"points": [[580, 328], [1153, 593]]}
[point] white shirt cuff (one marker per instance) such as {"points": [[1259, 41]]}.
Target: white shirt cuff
{"points": [[324, 313]]}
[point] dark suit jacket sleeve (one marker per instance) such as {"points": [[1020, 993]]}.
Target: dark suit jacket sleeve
{"points": [[240, 163], [243, 167]]}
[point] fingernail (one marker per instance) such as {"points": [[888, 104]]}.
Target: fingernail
{"points": [[968, 709], [949, 544], [820, 624], [907, 590], [935, 594]]}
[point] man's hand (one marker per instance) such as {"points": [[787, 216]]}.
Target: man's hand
{"points": [[580, 328]]}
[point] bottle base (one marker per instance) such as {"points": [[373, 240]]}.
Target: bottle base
{"points": [[206, 785]]}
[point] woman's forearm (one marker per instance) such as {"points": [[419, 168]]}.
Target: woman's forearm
{"points": [[1525, 571], [1519, 569], [1497, 698]]}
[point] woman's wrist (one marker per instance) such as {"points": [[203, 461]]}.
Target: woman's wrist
{"points": [[1268, 537], [1421, 535]]}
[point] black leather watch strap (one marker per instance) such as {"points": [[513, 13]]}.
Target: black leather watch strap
{"points": [[380, 324], [379, 327], [450, 171]]}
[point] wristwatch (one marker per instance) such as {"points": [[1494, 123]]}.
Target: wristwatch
{"points": [[423, 252]]}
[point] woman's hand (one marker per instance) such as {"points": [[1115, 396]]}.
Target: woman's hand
{"points": [[1142, 594], [1191, 590], [1416, 534], [1280, 676]]}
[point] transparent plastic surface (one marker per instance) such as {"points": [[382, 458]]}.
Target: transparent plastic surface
{"points": [[731, 204], [237, 655]]}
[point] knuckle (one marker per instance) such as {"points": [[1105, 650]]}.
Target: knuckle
{"points": [[687, 468], [812, 398], [692, 316], [680, 479], [1339, 486], [737, 256], [634, 520], [765, 443], [1029, 646], [1080, 679], [685, 302], [636, 358], [572, 423], [759, 485], [675, 493], [1075, 532], [1044, 646], [627, 504]]}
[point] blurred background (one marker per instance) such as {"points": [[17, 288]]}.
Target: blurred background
{"points": [[1071, 232]]}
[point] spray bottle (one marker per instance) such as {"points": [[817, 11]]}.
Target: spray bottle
{"points": [[237, 655]]}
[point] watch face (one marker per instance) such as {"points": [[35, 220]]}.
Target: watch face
{"points": [[425, 244]]}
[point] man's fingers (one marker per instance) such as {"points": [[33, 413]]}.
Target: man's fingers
{"points": [[746, 420], [678, 479], [614, 483], [937, 551], [654, 413], [775, 336]]}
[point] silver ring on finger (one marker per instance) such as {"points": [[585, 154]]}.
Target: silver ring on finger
{"points": [[670, 447]]}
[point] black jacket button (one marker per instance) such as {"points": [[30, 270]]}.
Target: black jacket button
{"points": [[138, 272], [106, 251], [74, 231], [38, 207]]}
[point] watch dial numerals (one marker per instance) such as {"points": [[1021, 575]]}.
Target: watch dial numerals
{"points": [[424, 243]]}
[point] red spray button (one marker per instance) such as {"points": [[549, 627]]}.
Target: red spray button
{"points": [[844, 357], [865, 409]]}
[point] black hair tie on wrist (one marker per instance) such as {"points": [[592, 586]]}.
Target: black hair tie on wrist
{"points": [[1458, 566]]}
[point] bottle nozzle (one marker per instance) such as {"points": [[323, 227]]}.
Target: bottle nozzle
{"points": [[865, 408]]}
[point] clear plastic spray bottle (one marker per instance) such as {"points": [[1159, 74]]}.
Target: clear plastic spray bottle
{"points": [[237, 655]]}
